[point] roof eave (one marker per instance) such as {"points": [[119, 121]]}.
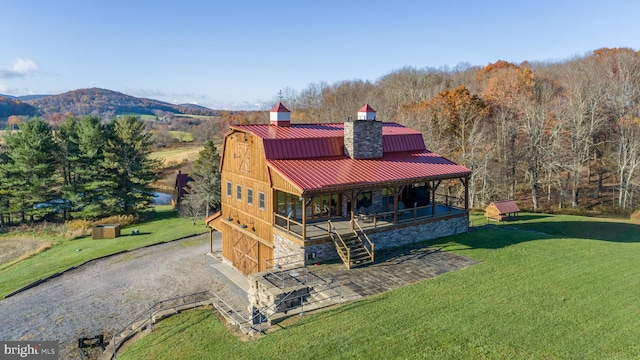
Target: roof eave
{"points": [[355, 186]]}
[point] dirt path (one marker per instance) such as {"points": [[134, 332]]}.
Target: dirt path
{"points": [[104, 296]]}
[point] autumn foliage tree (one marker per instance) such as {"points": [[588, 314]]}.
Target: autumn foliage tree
{"points": [[505, 86]]}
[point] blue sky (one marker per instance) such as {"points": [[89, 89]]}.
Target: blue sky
{"points": [[238, 54]]}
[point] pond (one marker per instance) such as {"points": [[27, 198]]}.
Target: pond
{"points": [[161, 198]]}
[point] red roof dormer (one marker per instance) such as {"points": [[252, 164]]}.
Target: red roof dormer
{"points": [[280, 115]]}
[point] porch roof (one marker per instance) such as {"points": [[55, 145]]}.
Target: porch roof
{"points": [[343, 172]]}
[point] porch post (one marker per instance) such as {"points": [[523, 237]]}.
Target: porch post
{"points": [[304, 218], [466, 192], [353, 205], [433, 198], [210, 240], [436, 185], [395, 204]]}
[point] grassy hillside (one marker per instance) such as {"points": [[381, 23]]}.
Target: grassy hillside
{"points": [[546, 287]]}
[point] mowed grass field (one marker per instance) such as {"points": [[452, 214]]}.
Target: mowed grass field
{"points": [[178, 155], [545, 287], [60, 254]]}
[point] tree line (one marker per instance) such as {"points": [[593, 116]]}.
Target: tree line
{"points": [[83, 169], [552, 135]]}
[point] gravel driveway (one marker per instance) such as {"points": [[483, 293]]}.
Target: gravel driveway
{"points": [[105, 295]]}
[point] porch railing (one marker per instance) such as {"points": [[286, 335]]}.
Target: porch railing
{"points": [[286, 223], [444, 205]]}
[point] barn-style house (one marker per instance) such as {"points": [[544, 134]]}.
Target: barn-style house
{"points": [[308, 193]]}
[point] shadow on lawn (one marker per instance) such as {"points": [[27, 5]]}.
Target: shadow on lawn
{"points": [[499, 235]]}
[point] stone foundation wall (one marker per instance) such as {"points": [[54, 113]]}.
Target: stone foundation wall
{"points": [[323, 252], [320, 253], [283, 247], [411, 234]]}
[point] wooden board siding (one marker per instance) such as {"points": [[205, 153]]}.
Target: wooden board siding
{"points": [[247, 229], [280, 183], [492, 213], [235, 241], [244, 164]]}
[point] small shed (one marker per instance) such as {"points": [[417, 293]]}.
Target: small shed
{"points": [[501, 210], [106, 231]]}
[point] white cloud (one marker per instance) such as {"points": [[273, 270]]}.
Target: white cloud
{"points": [[20, 68]]}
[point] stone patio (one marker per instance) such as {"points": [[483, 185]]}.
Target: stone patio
{"points": [[392, 269]]}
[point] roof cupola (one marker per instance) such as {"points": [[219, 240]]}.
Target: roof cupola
{"points": [[280, 116]]}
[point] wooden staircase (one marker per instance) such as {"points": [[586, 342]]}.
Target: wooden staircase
{"points": [[352, 247]]}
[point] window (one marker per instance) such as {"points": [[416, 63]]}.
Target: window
{"points": [[250, 197], [229, 188], [261, 200], [239, 192]]}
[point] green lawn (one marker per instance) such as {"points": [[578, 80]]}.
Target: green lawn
{"points": [[181, 136], [164, 226], [545, 287]]}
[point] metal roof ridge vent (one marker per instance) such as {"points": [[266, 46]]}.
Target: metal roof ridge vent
{"points": [[280, 116], [363, 136]]}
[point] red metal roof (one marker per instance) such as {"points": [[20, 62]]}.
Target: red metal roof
{"points": [[295, 131], [342, 171], [402, 142], [506, 206], [300, 141], [280, 108], [298, 148], [366, 108]]}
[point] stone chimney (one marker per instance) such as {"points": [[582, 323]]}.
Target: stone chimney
{"points": [[363, 136], [280, 116]]}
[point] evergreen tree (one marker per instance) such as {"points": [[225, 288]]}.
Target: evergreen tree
{"points": [[4, 190], [91, 141], [205, 188], [29, 171], [67, 139], [127, 170]]}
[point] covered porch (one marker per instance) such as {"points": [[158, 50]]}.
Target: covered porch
{"points": [[373, 209]]}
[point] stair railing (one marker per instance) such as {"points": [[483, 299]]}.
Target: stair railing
{"points": [[368, 245], [343, 250]]}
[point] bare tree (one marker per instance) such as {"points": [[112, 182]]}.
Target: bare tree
{"points": [[534, 131], [583, 118], [192, 207]]}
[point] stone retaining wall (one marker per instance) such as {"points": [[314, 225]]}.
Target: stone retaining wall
{"points": [[263, 295], [410, 234]]}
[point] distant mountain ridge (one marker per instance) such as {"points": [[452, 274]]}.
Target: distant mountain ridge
{"points": [[94, 101]]}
